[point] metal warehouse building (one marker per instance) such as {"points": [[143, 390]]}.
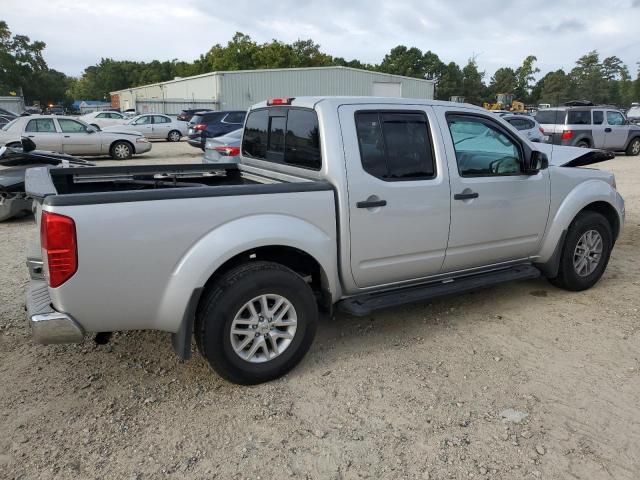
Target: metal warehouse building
{"points": [[243, 88]]}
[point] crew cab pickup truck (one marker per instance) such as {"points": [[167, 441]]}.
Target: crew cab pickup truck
{"points": [[338, 202]]}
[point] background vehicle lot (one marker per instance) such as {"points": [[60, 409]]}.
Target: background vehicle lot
{"points": [[399, 394]]}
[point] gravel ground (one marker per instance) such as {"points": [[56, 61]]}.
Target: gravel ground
{"points": [[518, 381]]}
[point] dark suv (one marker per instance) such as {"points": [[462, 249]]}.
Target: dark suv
{"points": [[186, 115], [597, 126], [205, 125]]}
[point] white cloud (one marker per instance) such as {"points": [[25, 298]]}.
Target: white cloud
{"points": [[80, 32]]}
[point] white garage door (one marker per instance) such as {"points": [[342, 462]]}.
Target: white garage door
{"points": [[387, 89]]}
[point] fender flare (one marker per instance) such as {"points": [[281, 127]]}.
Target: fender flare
{"points": [[226, 241], [580, 197]]}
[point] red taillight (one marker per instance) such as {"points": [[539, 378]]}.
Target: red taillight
{"points": [[280, 101], [567, 135], [541, 130], [199, 127], [59, 248], [228, 151]]}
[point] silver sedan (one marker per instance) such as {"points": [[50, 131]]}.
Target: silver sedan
{"points": [[154, 126], [224, 149], [69, 135]]}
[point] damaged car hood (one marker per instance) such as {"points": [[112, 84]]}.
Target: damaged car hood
{"points": [[561, 156]]}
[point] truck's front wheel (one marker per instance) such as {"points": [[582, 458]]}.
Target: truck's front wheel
{"points": [[586, 251], [256, 322]]}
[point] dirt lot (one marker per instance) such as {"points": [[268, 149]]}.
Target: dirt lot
{"points": [[519, 381]]}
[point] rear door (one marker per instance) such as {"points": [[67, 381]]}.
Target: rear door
{"points": [[599, 134], [44, 134], [161, 126], [76, 140], [617, 131], [498, 214], [398, 191]]}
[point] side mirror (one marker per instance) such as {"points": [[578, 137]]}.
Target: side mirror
{"points": [[27, 144], [537, 161], [91, 129]]}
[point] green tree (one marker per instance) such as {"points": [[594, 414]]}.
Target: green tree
{"points": [[588, 78], [450, 83], [404, 61], [525, 76], [473, 89], [504, 80], [556, 88]]}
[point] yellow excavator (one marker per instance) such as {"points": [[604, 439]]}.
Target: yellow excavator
{"points": [[505, 101]]}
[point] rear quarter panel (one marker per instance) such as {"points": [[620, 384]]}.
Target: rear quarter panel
{"points": [[139, 262]]}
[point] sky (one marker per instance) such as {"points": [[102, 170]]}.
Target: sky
{"points": [[497, 32]]}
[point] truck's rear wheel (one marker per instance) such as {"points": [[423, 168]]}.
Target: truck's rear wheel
{"points": [[586, 252], [256, 322]]}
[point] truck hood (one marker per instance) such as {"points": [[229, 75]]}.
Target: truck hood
{"points": [[561, 156]]}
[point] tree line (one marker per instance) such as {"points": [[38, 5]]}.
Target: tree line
{"points": [[607, 80]]}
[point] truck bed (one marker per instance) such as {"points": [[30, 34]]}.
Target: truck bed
{"points": [[97, 185]]}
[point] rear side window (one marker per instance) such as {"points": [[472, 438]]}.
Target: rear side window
{"points": [[550, 117], [598, 117], [41, 125], [235, 117], [289, 136], [579, 117], [395, 146], [521, 123]]}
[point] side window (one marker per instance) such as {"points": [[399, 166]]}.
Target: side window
{"points": [[41, 125], [254, 143], [103, 115], [289, 136], [71, 126], [302, 142], [579, 117], [598, 117], [615, 118], [235, 117], [144, 120], [395, 145], [482, 149], [519, 123], [160, 119]]}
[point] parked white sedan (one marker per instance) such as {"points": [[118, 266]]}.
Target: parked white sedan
{"points": [[154, 126], [69, 135], [104, 119]]}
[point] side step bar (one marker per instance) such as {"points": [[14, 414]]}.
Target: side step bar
{"points": [[362, 305]]}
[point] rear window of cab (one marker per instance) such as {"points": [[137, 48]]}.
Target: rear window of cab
{"points": [[284, 135]]}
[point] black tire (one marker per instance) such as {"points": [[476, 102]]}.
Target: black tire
{"points": [[583, 144], [634, 147], [121, 150], [227, 297], [174, 136], [568, 278]]}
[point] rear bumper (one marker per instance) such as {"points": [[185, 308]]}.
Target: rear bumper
{"points": [[48, 325], [142, 147]]}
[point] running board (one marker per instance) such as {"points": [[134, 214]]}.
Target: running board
{"points": [[365, 304]]}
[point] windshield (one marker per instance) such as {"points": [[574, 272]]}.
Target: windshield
{"points": [[550, 117]]}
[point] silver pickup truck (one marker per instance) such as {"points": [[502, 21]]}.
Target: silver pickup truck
{"points": [[354, 203]]}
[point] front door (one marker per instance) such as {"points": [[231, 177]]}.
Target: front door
{"points": [[76, 140], [498, 214], [144, 125], [44, 134], [398, 193], [617, 131]]}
